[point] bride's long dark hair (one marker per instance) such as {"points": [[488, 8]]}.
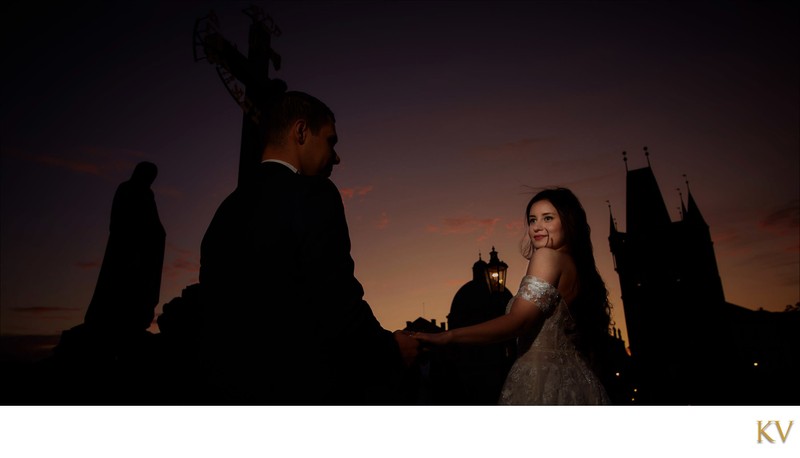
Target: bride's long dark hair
{"points": [[590, 309]]}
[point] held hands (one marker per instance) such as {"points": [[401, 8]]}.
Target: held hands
{"points": [[413, 343], [409, 348]]}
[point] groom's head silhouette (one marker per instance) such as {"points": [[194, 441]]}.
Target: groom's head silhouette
{"points": [[301, 131]]}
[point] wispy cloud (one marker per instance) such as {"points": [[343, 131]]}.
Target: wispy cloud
{"points": [[515, 228], [87, 265], [39, 310], [775, 247], [104, 163], [349, 193], [784, 220], [382, 222], [729, 243], [187, 265], [781, 265], [168, 191], [69, 164], [465, 225], [182, 261]]}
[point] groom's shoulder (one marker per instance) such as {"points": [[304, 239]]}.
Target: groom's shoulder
{"points": [[320, 185]]}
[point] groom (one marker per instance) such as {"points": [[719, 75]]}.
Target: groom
{"points": [[285, 315]]}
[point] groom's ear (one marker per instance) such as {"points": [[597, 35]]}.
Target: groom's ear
{"points": [[300, 131]]}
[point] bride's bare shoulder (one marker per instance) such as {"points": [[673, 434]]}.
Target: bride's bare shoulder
{"points": [[547, 264]]}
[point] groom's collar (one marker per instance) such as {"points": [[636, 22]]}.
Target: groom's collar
{"points": [[290, 166]]}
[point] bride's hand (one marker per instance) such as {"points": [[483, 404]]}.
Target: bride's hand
{"points": [[438, 338]]}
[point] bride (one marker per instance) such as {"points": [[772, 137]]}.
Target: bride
{"points": [[560, 314]]}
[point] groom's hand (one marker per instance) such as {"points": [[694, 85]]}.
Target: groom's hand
{"points": [[409, 347]]}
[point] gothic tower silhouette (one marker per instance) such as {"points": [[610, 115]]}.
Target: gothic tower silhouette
{"points": [[672, 295]]}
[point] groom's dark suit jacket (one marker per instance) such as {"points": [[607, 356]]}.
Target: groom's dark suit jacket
{"points": [[286, 322]]}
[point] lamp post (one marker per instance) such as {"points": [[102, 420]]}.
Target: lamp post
{"points": [[496, 273]]}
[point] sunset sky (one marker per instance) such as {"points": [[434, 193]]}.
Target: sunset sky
{"points": [[448, 115]]}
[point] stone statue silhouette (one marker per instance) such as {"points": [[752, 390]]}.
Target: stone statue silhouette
{"points": [[129, 282]]}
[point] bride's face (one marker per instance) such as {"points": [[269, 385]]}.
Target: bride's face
{"points": [[544, 226]]}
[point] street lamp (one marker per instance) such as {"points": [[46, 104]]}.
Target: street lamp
{"points": [[496, 273]]}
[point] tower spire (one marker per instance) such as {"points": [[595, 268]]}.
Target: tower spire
{"points": [[692, 211], [612, 223], [688, 193], [625, 158], [645, 207]]}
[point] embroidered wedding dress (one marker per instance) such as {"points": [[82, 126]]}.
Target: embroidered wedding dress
{"points": [[549, 369]]}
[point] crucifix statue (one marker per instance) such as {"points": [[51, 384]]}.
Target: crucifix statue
{"points": [[252, 71]]}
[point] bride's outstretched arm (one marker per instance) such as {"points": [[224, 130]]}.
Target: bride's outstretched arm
{"points": [[524, 315]]}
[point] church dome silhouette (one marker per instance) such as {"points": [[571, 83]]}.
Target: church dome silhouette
{"points": [[474, 302]]}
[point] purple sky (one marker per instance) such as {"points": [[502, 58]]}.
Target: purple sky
{"points": [[447, 114]]}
